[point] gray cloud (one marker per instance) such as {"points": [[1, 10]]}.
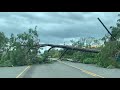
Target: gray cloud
{"points": [[57, 27]]}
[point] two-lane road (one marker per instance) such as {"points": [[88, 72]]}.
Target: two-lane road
{"points": [[56, 70], [64, 69]]}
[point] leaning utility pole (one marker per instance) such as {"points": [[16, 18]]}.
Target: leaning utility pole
{"points": [[106, 29]]}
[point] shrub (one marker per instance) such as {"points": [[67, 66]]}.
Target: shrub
{"points": [[89, 61], [6, 64]]}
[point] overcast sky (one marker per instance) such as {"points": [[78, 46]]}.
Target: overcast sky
{"points": [[58, 27]]}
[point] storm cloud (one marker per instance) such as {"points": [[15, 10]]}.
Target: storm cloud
{"points": [[58, 27]]}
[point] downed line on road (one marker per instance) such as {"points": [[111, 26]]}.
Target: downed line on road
{"points": [[85, 71], [22, 72]]}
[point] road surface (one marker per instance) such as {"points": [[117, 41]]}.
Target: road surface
{"points": [[11, 72], [56, 70], [64, 69]]}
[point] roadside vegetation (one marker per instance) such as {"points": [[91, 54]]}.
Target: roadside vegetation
{"points": [[19, 50], [109, 57]]}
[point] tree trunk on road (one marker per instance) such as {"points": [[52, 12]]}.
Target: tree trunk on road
{"points": [[67, 47]]}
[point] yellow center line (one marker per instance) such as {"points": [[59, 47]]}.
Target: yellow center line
{"points": [[22, 72], [85, 71]]}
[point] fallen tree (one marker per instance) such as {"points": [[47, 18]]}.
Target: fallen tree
{"points": [[66, 47], [23, 49]]}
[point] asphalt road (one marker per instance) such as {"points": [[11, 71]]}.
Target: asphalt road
{"points": [[64, 69], [56, 70], [11, 72]]}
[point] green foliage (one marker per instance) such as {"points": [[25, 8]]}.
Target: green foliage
{"points": [[107, 54], [115, 30], [89, 61], [3, 40], [6, 64], [3, 43], [54, 53], [41, 60], [78, 56], [21, 50]]}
